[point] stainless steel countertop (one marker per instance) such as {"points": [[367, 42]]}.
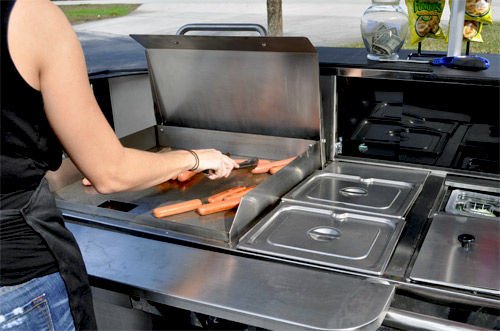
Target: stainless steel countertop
{"points": [[248, 290]]}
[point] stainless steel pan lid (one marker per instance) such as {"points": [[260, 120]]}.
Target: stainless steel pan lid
{"points": [[325, 236], [472, 264], [361, 188]]}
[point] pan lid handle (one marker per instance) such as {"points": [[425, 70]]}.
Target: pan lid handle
{"points": [[466, 240]]}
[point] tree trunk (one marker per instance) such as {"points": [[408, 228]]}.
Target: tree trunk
{"points": [[274, 18]]}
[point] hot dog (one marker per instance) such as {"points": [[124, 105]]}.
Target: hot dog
{"points": [[177, 208], [215, 207], [274, 170], [220, 196], [262, 168], [186, 175], [184, 186], [239, 194]]}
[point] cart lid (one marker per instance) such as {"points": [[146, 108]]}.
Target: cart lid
{"points": [[259, 85]]}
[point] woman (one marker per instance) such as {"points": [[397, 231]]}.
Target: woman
{"points": [[46, 104]]}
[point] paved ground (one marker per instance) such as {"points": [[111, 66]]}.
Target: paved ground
{"points": [[324, 22]]}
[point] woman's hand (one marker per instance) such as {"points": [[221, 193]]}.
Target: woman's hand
{"points": [[218, 164]]}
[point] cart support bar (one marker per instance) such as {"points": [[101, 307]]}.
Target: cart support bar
{"points": [[405, 320]]}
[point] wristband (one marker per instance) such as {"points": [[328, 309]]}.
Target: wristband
{"points": [[197, 160]]}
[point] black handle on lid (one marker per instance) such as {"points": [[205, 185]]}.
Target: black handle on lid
{"points": [[466, 240]]}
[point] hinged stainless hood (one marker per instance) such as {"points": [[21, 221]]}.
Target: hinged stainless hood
{"points": [[258, 85]]}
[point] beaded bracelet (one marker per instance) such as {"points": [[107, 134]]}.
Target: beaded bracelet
{"points": [[197, 163]]}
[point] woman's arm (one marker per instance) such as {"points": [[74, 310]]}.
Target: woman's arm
{"points": [[48, 55]]}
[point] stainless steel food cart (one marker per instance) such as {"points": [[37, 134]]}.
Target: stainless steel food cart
{"points": [[388, 217]]}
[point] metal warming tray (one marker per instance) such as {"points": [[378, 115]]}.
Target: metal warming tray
{"points": [[375, 190], [347, 216], [246, 96], [325, 236]]}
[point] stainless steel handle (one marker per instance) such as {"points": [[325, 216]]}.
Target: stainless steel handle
{"points": [[222, 27], [466, 240], [353, 191], [324, 233]]}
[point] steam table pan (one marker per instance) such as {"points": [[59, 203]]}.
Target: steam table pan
{"points": [[366, 195], [325, 236]]}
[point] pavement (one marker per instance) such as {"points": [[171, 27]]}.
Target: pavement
{"points": [[324, 22]]}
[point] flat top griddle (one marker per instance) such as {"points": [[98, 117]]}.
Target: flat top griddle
{"points": [[252, 96], [138, 206]]}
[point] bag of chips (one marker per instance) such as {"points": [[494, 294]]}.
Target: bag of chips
{"points": [[478, 10], [425, 16], [472, 31], [477, 13]]}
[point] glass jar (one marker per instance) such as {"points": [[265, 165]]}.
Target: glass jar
{"points": [[384, 27]]}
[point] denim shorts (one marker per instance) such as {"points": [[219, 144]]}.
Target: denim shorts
{"points": [[40, 304]]}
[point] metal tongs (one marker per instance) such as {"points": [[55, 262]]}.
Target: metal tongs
{"points": [[251, 163]]}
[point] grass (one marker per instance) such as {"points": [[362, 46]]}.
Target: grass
{"points": [[87, 13], [490, 44]]}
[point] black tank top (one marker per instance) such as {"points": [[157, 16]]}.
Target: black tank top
{"points": [[28, 149]]}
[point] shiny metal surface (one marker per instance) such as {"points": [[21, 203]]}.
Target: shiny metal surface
{"points": [[324, 236], [131, 104], [413, 73], [378, 170], [417, 222], [279, 293], [487, 184], [79, 201], [371, 195], [442, 259], [360, 188], [447, 296], [404, 320], [269, 192], [386, 119], [261, 293], [455, 34], [234, 143], [258, 85]]}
